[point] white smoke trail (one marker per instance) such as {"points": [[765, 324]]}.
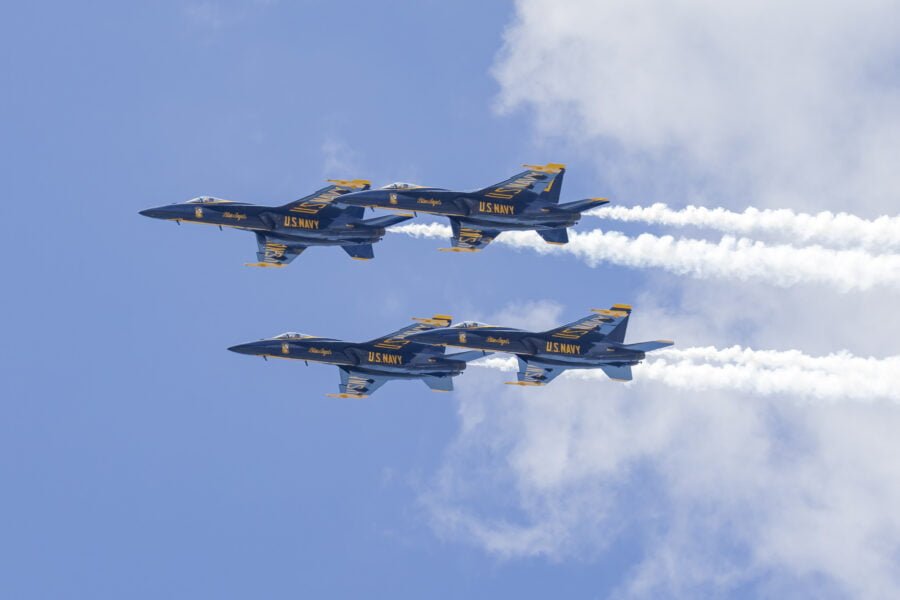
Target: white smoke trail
{"points": [[841, 230], [839, 376], [730, 258]]}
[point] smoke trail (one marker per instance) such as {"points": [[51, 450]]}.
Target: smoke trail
{"points": [[839, 230], [839, 376], [730, 258]]}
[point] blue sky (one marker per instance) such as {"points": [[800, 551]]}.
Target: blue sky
{"points": [[139, 458]]}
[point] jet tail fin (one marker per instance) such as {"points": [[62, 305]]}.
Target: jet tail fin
{"points": [[583, 205], [360, 251], [385, 221], [617, 373], [542, 181], [558, 236], [613, 330], [647, 346], [439, 384]]}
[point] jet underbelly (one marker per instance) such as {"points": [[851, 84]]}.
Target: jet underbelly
{"points": [[329, 237], [524, 222]]}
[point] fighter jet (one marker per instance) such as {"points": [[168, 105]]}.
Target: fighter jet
{"points": [[366, 366], [595, 341], [283, 232], [526, 201]]}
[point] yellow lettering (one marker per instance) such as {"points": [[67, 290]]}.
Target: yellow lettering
{"points": [[384, 358], [300, 222], [562, 348]]}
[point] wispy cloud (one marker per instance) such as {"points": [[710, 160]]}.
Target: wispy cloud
{"points": [[737, 99], [731, 258], [338, 159]]}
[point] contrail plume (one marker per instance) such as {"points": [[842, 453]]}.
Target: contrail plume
{"points": [[841, 230], [834, 377], [730, 258]]}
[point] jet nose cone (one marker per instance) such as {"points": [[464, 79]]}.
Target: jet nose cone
{"points": [[250, 348], [160, 212]]}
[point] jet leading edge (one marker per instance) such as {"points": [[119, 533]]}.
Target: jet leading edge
{"points": [[526, 201], [366, 366], [283, 232], [596, 341]]}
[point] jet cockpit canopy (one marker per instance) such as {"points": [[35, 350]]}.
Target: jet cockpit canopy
{"points": [[291, 335], [470, 325], [207, 200], [399, 185]]}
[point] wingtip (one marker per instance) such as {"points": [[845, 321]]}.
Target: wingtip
{"points": [[548, 168], [436, 320], [351, 183]]}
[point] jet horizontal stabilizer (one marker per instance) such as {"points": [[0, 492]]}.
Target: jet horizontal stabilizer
{"points": [[647, 346], [439, 384], [360, 251], [583, 205], [555, 236], [468, 355], [385, 221], [617, 373]]}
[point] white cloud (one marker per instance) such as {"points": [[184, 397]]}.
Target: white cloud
{"points": [[723, 492], [781, 103]]}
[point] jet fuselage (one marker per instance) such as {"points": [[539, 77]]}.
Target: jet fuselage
{"points": [[322, 225], [547, 349]]}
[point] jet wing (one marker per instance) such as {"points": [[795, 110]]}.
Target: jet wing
{"points": [[319, 199], [532, 372], [469, 238], [397, 340], [274, 252], [356, 384]]}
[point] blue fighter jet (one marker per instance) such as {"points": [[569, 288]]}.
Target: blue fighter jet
{"points": [[283, 232], [595, 341], [526, 201], [366, 366]]}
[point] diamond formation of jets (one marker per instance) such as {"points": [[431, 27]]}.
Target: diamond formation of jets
{"points": [[366, 366], [526, 201], [596, 341], [283, 232]]}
